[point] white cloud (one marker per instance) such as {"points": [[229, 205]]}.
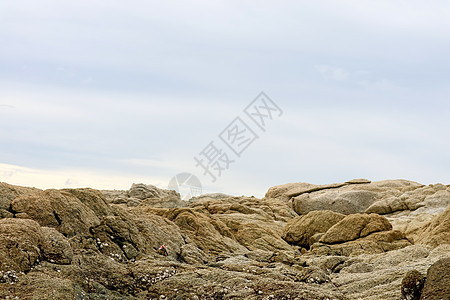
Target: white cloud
{"points": [[359, 77], [329, 72]]}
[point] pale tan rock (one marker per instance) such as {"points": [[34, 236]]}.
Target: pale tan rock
{"points": [[145, 194], [435, 232], [355, 226], [289, 190], [425, 199], [374, 243], [345, 202], [300, 229], [437, 284]]}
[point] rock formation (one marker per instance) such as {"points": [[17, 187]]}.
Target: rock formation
{"points": [[437, 285], [351, 240]]}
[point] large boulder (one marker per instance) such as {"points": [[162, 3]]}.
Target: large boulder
{"points": [[354, 196], [360, 234], [437, 285], [23, 244], [132, 232], [437, 231], [355, 226], [233, 225], [299, 230], [145, 194], [378, 242], [20, 244], [289, 190], [7, 194], [56, 247], [56, 209], [429, 199], [93, 199], [379, 276], [345, 202], [253, 223]]}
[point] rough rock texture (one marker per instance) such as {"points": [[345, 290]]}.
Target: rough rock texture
{"points": [[57, 209], [147, 194], [379, 276], [378, 242], [437, 285], [412, 285], [422, 199], [358, 234], [290, 190], [355, 226], [437, 231], [20, 244], [350, 197], [211, 196], [87, 244], [301, 229]]}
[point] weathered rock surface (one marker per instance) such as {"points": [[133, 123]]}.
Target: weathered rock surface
{"points": [[355, 226], [412, 285], [301, 229], [146, 194], [211, 196], [57, 209], [379, 276], [360, 195], [436, 231], [423, 199], [20, 244], [437, 285], [87, 244], [290, 190]]}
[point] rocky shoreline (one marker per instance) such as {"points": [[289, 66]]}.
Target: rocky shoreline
{"points": [[352, 240]]}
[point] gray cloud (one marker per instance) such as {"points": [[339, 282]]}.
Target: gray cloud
{"points": [[141, 88]]}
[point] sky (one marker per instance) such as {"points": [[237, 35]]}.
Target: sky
{"points": [[104, 94]]}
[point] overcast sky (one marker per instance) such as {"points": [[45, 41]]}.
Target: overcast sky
{"points": [[107, 93]]}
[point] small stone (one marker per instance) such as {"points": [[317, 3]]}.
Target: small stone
{"points": [[412, 285]]}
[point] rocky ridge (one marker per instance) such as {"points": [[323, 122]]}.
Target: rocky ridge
{"points": [[351, 240]]}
